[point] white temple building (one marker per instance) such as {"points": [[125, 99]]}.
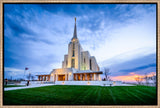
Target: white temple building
{"points": [[78, 65]]}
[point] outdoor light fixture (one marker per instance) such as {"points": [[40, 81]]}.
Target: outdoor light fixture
{"points": [[63, 82]]}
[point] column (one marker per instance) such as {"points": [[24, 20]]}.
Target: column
{"points": [[76, 77], [94, 77], [81, 76], [66, 77], [86, 77], [56, 77], [52, 77], [99, 77], [91, 77], [48, 78]]}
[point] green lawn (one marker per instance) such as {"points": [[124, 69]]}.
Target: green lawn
{"points": [[82, 95], [5, 86]]}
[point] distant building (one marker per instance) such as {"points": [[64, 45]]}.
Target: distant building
{"points": [[78, 65]]}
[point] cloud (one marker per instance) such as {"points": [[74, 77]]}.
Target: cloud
{"points": [[139, 68], [13, 72], [117, 67], [12, 69], [130, 77], [37, 35]]}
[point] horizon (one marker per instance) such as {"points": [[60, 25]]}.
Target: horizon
{"points": [[122, 37]]}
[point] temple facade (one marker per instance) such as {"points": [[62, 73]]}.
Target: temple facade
{"points": [[78, 65]]}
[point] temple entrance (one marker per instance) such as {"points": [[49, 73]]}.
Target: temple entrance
{"points": [[61, 77]]}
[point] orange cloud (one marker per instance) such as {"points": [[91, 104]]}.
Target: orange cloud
{"points": [[130, 77]]}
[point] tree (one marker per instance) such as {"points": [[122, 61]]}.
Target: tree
{"points": [[107, 73], [153, 78], [139, 80], [29, 76], [146, 78], [32, 77]]}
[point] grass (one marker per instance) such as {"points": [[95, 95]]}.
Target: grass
{"points": [[6, 86], [82, 95]]}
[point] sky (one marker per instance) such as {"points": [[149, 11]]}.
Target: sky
{"points": [[122, 37]]}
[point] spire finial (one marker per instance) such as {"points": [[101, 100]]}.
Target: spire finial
{"points": [[75, 31]]}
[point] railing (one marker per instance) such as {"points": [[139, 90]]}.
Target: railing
{"points": [[101, 83], [37, 82]]}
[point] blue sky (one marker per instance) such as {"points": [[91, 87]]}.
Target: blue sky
{"points": [[122, 37]]}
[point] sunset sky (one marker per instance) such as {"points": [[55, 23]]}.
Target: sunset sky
{"points": [[122, 37]]}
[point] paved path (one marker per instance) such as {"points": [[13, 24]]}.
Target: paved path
{"points": [[125, 85], [119, 85], [31, 86], [41, 85]]}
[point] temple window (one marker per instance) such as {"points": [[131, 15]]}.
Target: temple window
{"points": [[73, 53], [73, 50], [73, 63], [90, 64]]}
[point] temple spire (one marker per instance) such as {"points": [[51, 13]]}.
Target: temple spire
{"points": [[75, 30]]}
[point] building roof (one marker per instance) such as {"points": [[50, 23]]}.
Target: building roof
{"points": [[42, 74], [88, 71]]}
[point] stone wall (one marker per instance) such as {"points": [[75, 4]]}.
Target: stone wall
{"points": [[101, 83], [65, 62], [85, 57], [94, 64]]}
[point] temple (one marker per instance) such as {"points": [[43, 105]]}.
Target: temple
{"points": [[78, 65]]}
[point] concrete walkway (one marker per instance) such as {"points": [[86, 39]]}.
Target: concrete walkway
{"points": [[30, 86], [41, 85]]}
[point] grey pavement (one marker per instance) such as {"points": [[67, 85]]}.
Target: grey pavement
{"points": [[30, 86]]}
